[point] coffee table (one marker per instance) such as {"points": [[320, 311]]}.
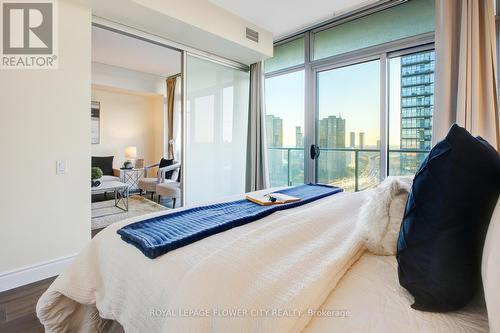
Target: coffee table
{"points": [[120, 190]]}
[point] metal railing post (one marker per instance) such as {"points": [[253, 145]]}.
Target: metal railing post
{"points": [[356, 169], [289, 169]]}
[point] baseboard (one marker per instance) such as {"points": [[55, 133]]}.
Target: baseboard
{"points": [[30, 274]]}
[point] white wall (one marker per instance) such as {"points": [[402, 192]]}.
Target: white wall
{"points": [[196, 23], [112, 76], [129, 119], [44, 118], [211, 18]]}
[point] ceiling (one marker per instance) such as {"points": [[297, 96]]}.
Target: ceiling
{"points": [[114, 49], [282, 17]]}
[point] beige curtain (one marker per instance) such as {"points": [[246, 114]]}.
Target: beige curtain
{"points": [[466, 86], [171, 81]]}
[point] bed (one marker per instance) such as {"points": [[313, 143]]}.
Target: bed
{"points": [[314, 268], [370, 291]]}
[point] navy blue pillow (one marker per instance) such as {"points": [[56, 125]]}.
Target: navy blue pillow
{"points": [[446, 217], [163, 163]]}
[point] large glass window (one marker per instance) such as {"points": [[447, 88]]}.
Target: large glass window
{"points": [[323, 97], [348, 126], [411, 104], [408, 19], [286, 55], [285, 128]]}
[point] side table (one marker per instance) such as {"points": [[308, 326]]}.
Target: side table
{"points": [[131, 177]]}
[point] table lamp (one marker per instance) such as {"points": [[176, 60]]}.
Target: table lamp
{"points": [[130, 154]]}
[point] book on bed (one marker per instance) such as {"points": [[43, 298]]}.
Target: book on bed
{"points": [[271, 199]]}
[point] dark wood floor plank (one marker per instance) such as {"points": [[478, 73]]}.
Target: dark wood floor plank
{"points": [[28, 324], [18, 308]]}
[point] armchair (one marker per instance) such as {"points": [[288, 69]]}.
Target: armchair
{"points": [[169, 187], [148, 184]]}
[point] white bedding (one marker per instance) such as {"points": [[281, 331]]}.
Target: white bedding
{"points": [[288, 262], [370, 291]]}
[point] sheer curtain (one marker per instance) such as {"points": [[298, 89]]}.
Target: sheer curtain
{"points": [[257, 177], [466, 83]]}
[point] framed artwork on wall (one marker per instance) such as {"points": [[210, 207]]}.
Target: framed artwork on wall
{"points": [[95, 126]]}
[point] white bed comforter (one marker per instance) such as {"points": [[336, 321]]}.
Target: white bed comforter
{"points": [[265, 276], [374, 302]]}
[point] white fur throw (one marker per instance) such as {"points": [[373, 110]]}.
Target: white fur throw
{"points": [[382, 213]]}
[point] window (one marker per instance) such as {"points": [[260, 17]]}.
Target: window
{"points": [[348, 126], [362, 92], [411, 104], [408, 19], [285, 128], [286, 55]]}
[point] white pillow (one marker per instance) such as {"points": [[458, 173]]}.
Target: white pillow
{"points": [[490, 270]]}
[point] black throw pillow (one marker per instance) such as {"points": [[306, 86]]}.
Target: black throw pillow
{"points": [[445, 222], [105, 163], [163, 163]]}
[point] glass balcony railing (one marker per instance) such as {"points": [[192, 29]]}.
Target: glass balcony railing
{"points": [[405, 162], [352, 169], [286, 166]]}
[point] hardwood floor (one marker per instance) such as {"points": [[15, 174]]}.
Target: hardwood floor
{"points": [[17, 308]]}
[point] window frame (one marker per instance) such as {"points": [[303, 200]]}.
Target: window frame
{"points": [[384, 52]]}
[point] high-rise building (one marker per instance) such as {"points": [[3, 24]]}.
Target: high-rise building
{"points": [[332, 164], [274, 131], [332, 132], [417, 104], [352, 141], [299, 137], [361, 140], [274, 136]]}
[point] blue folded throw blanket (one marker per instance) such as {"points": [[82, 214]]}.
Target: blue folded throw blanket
{"points": [[159, 235]]}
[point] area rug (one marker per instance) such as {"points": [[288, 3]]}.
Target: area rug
{"points": [[105, 213]]}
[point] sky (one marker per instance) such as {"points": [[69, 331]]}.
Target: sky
{"points": [[352, 92]]}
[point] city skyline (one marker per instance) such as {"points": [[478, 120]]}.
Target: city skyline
{"points": [[293, 102], [274, 132]]}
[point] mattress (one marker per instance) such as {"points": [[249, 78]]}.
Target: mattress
{"points": [[369, 299]]}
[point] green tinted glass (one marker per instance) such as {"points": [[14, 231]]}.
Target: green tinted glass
{"points": [[408, 19], [286, 55]]}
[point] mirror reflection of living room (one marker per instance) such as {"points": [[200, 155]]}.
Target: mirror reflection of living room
{"points": [[136, 99]]}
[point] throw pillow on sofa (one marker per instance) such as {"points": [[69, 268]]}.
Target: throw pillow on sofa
{"points": [[105, 163]]}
